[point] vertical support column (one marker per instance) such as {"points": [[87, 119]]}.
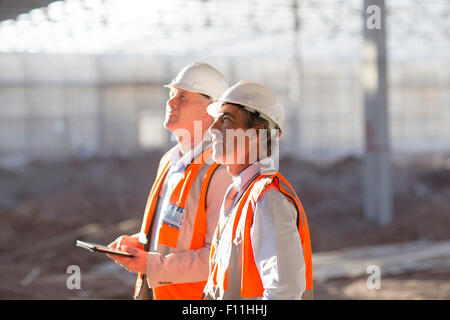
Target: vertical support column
{"points": [[292, 116], [28, 115], [101, 114], [377, 166]]}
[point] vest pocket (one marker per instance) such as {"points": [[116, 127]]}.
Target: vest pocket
{"points": [[171, 224], [168, 235]]}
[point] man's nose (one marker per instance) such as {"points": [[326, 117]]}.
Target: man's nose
{"points": [[172, 103], [214, 127]]}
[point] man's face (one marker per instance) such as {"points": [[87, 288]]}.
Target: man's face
{"points": [[231, 136], [184, 108]]}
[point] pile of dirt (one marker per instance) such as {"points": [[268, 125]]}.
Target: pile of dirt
{"points": [[45, 207], [333, 200]]}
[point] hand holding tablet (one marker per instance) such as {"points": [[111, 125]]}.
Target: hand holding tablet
{"points": [[101, 248]]}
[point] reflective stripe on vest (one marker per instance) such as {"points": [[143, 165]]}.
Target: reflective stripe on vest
{"points": [[251, 283], [172, 220]]}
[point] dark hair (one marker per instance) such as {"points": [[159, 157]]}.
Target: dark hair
{"points": [[254, 119]]}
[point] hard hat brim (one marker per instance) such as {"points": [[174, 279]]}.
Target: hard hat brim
{"points": [[188, 87], [213, 108]]}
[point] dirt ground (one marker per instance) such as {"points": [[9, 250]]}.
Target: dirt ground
{"points": [[45, 207], [408, 286]]}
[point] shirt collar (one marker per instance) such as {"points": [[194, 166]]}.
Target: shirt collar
{"points": [[266, 164]]}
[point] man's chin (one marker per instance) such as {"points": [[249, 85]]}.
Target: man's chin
{"points": [[171, 124]]}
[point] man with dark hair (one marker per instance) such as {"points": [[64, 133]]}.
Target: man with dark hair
{"points": [[261, 247]]}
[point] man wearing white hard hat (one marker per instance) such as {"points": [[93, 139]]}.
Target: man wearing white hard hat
{"points": [[261, 248], [172, 249]]}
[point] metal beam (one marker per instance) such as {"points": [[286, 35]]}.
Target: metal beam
{"points": [[377, 166]]}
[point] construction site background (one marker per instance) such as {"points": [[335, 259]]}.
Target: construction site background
{"points": [[46, 206], [82, 104]]}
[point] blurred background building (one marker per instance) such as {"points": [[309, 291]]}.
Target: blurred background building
{"points": [[83, 77], [82, 80]]}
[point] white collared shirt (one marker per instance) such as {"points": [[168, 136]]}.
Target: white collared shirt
{"points": [[181, 264], [241, 181], [178, 164], [275, 241]]}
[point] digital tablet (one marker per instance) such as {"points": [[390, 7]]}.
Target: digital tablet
{"points": [[101, 248]]}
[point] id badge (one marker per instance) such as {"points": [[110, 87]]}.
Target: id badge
{"points": [[173, 216]]}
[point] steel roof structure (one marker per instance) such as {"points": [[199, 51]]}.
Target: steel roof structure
{"points": [[416, 29]]}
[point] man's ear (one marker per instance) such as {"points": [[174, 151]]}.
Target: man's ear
{"points": [[205, 102]]}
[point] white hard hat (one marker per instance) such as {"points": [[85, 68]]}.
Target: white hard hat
{"points": [[254, 97], [200, 77]]}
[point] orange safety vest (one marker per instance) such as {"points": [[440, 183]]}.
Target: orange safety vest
{"points": [[251, 283], [170, 228]]}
